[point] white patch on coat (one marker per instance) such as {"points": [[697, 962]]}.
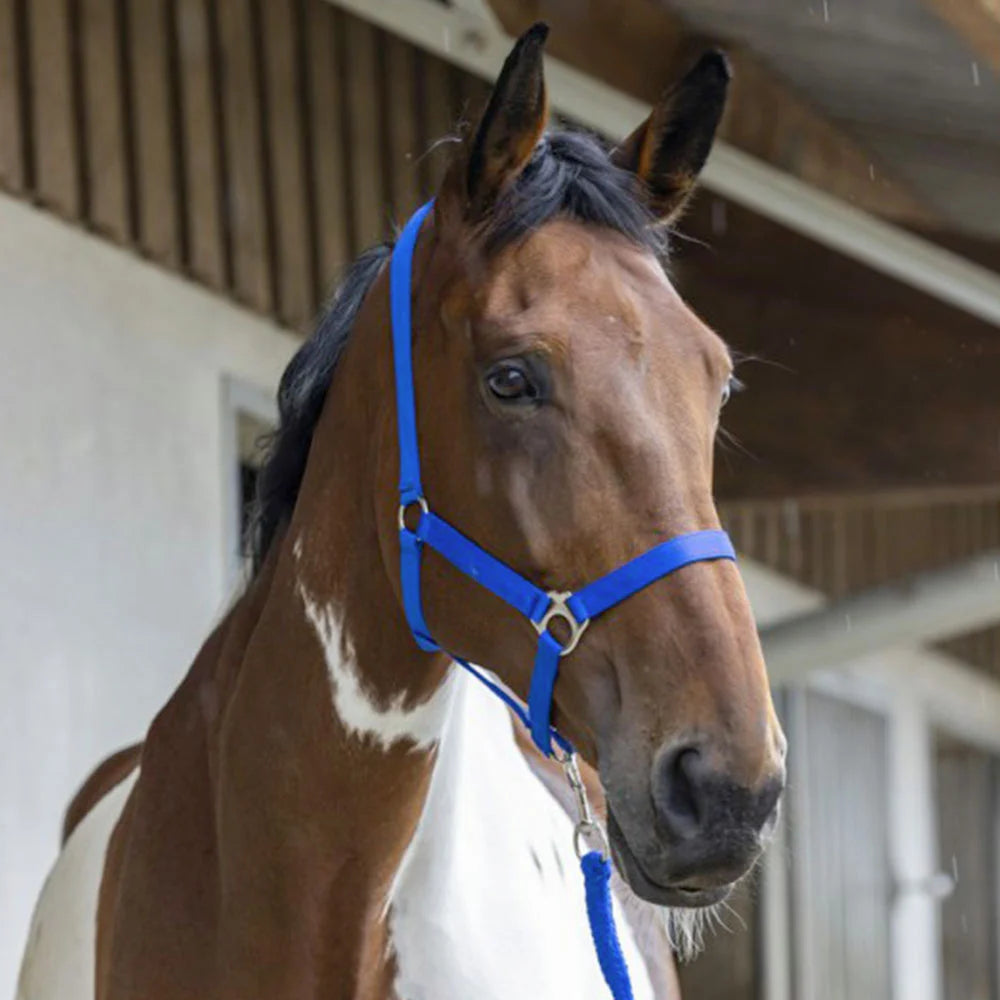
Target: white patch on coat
{"points": [[59, 959], [357, 709], [489, 899]]}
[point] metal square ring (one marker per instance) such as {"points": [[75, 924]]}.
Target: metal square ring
{"points": [[558, 609]]}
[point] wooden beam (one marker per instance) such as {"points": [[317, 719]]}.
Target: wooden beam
{"points": [[478, 8], [472, 45], [977, 22], [638, 46]]}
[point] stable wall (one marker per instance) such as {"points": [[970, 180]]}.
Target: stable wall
{"points": [[116, 512]]}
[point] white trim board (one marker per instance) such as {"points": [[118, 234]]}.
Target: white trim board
{"points": [[954, 696], [916, 610], [476, 45]]}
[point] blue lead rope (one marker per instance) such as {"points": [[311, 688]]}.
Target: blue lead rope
{"points": [[597, 882], [575, 610]]}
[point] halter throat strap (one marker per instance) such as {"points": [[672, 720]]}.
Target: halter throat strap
{"points": [[540, 607]]}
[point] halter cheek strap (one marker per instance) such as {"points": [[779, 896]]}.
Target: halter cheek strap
{"points": [[541, 608]]}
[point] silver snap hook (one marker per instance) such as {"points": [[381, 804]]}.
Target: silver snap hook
{"points": [[588, 834]]}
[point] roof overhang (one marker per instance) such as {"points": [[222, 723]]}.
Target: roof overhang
{"points": [[467, 36]]}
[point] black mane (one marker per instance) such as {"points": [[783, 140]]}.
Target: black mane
{"points": [[569, 175]]}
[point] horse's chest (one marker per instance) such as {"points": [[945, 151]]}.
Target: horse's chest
{"points": [[489, 902]]}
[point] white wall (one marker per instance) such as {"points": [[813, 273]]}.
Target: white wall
{"points": [[113, 513]]}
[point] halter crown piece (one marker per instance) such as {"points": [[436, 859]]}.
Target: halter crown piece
{"points": [[541, 608]]}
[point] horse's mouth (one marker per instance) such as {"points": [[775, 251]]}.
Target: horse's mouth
{"points": [[674, 894]]}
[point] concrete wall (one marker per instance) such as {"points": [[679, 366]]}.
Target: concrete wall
{"points": [[115, 520]]}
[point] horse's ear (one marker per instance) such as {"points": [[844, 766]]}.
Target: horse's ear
{"points": [[509, 130], [668, 150]]}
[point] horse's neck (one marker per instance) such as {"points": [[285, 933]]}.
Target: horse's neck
{"points": [[325, 749]]}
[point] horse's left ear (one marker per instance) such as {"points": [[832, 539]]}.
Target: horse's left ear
{"points": [[668, 150], [508, 132]]}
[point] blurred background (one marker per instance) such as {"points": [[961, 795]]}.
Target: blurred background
{"points": [[182, 181]]}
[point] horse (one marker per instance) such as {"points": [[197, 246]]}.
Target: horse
{"points": [[323, 808]]}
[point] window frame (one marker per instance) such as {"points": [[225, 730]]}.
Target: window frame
{"points": [[239, 398]]}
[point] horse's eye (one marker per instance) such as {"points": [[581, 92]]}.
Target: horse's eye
{"points": [[510, 382], [731, 386]]}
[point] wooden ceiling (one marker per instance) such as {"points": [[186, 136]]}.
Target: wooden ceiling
{"points": [[854, 381], [640, 47], [892, 105], [915, 82], [858, 382]]}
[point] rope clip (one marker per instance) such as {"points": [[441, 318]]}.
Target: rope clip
{"points": [[588, 834]]}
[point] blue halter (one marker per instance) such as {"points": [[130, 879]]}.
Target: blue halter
{"points": [[540, 607]]}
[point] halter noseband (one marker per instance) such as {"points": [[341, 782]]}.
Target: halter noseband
{"points": [[575, 609]]}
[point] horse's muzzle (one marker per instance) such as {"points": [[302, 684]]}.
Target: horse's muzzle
{"points": [[709, 832]]}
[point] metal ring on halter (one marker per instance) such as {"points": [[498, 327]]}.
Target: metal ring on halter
{"points": [[558, 609], [404, 507], [590, 828]]}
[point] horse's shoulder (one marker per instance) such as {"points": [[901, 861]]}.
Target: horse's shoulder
{"points": [[101, 780]]}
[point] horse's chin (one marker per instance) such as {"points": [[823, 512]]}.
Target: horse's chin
{"points": [[672, 895]]}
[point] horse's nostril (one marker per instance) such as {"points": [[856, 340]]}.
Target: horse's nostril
{"points": [[679, 794], [767, 800], [693, 798]]}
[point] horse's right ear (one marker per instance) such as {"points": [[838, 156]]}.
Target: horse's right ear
{"points": [[508, 132]]}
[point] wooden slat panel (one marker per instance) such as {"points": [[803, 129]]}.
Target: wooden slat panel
{"points": [[421, 121], [473, 94], [363, 143], [966, 804], [438, 98], [403, 131], [201, 127], [324, 45], [54, 119], [245, 183], [155, 133], [292, 192], [842, 543], [841, 850], [106, 145], [14, 143]]}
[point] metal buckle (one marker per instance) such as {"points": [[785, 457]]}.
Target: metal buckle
{"points": [[404, 507], [587, 827], [558, 609]]}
